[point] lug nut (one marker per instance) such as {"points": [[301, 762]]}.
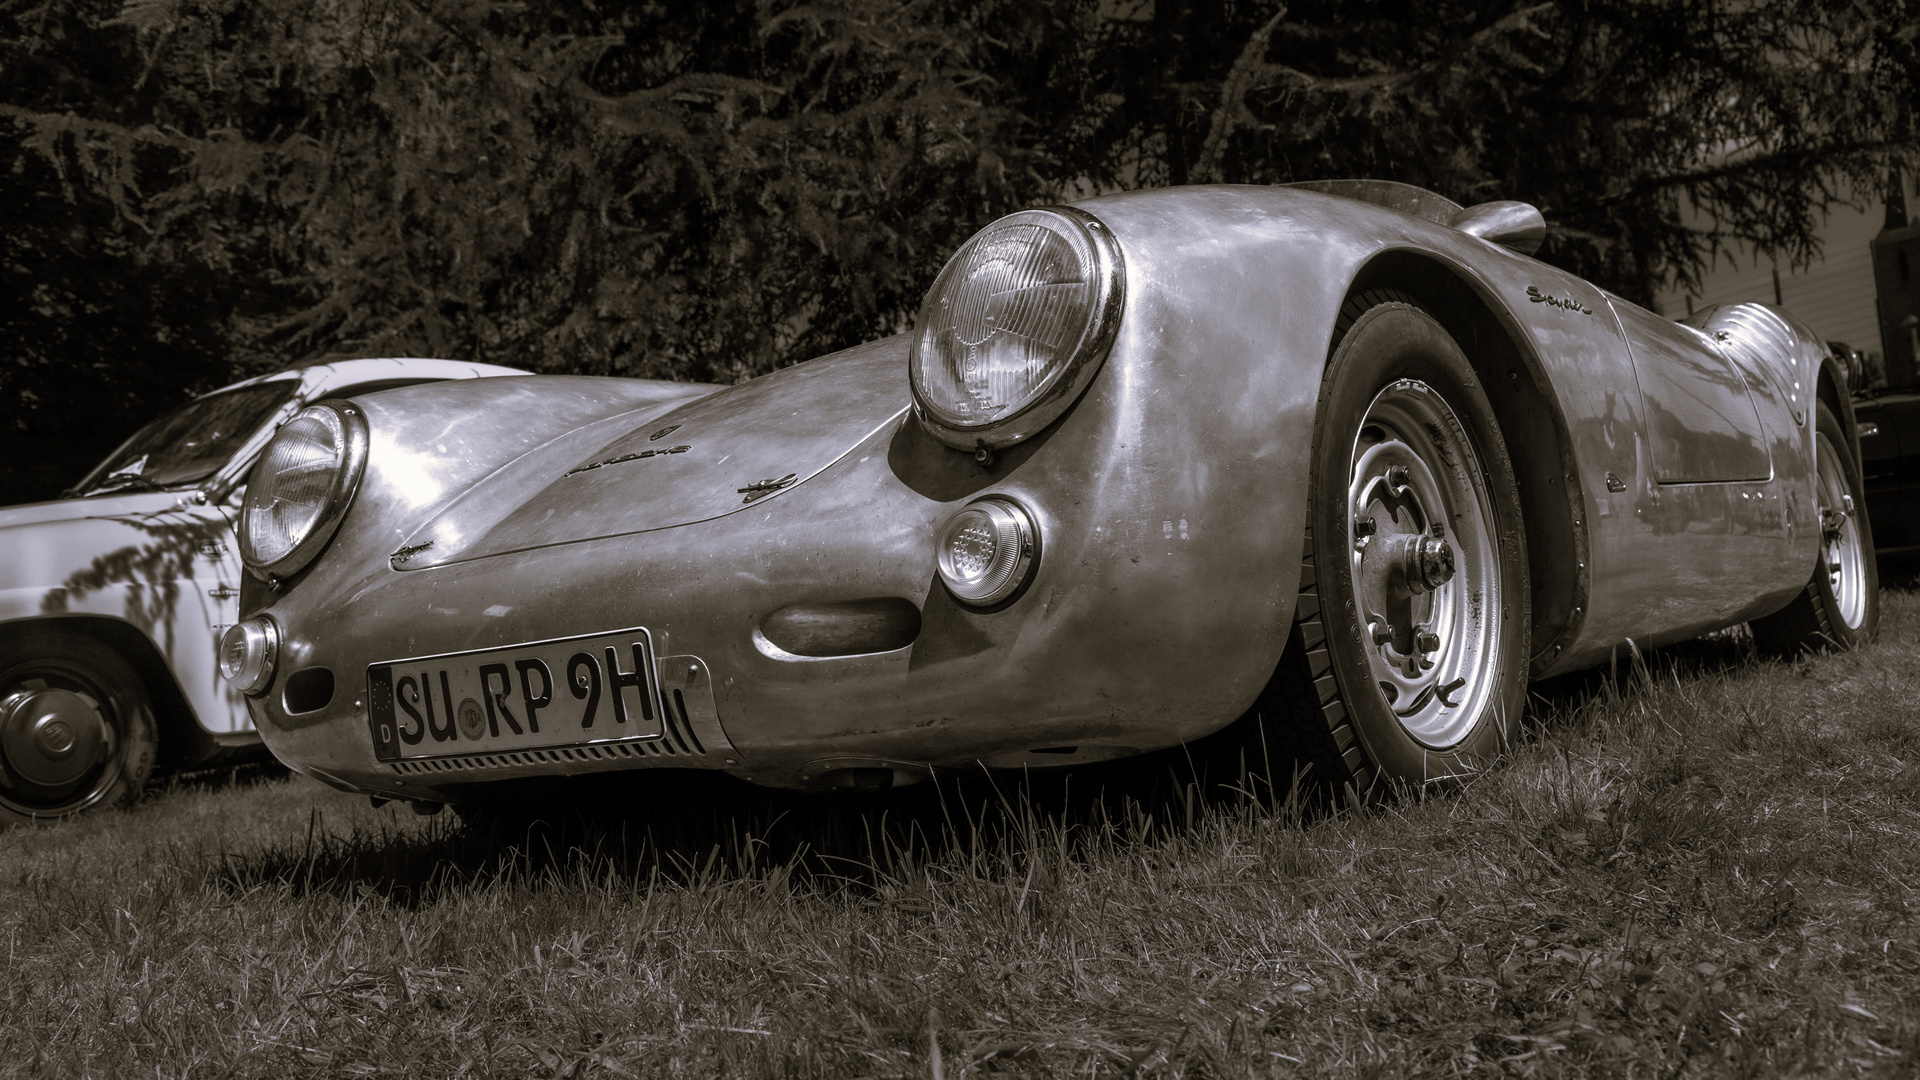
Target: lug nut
{"points": [[1397, 477], [1382, 633], [1426, 641], [1364, 527]]}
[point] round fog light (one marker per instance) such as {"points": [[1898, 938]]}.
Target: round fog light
{"points": [[248, 651], [987, 551]]}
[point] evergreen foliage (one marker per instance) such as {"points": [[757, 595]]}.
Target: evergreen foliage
{"points": [[1649, 132], [204, 188]]}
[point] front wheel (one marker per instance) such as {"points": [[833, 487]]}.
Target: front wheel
{"points": [[76, 728], [1408, 658], [1840, 606]]}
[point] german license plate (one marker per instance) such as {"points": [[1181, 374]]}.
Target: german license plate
{"points": [[598, 688]]}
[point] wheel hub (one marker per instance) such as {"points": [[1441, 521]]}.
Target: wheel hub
{"points": [[1423, 596], [1415, 563], [51, 737]]}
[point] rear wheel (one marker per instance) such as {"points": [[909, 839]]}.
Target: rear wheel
{"points": [[1408, 656], [1840, 607], [76, 728]]}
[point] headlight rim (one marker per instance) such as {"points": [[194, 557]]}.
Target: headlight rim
{"points": [[340, 494], [1088, 357]]}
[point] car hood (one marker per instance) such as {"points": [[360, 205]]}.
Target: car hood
{"points": [[704, 459]]}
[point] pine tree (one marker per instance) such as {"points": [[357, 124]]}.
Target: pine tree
{"points": [[205, 188]]}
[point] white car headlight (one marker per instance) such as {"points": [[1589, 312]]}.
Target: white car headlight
{"points": [[301, 487], [1015, 326]]}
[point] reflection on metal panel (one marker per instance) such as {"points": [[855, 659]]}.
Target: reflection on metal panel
{"points": [[741, 446], [1701, 423], [1418, 202], [1761, 342]]}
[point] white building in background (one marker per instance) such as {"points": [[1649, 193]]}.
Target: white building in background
{"points": [[1865, 290]]}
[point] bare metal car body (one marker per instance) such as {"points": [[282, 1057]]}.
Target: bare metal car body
{"points": [[1666, 474]]}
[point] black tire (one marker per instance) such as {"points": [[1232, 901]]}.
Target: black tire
{"points": [[1392, 365], [1839, 608], [77, 730]]}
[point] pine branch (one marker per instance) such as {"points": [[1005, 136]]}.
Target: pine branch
{"points": [[1232, 109]]}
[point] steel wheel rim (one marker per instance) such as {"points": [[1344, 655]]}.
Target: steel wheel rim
{"points": [[1841, 553], [1412, 468]]}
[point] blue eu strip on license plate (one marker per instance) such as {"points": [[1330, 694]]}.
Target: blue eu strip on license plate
{"points": [[598, 688]]}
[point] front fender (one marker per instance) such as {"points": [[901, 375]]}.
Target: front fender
{"points": [[153, 565]]}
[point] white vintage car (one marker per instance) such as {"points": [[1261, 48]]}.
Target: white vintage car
{"points": [[112, 600]]}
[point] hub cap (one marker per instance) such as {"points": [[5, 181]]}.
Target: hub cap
{"points": [[1840, 548], [51, 737], [1425, 562]]}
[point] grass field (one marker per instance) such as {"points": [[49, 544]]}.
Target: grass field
{"points": [[1705, 866]]}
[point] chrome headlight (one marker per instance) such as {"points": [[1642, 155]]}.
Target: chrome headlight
{"points": [[301, 487], [987, 551], [1015, 326], [248, 653]]}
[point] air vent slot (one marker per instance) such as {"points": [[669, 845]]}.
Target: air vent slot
{"points": [[308, 690], [843, 627]]}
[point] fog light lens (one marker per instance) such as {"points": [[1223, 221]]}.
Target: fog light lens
{"points": [[987, 551], [248, 651]]}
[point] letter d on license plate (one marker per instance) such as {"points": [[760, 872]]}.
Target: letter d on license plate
{"points": [[598, 688]]}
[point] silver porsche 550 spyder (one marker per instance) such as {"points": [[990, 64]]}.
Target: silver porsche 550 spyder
{"points": [[1140, 461]]}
